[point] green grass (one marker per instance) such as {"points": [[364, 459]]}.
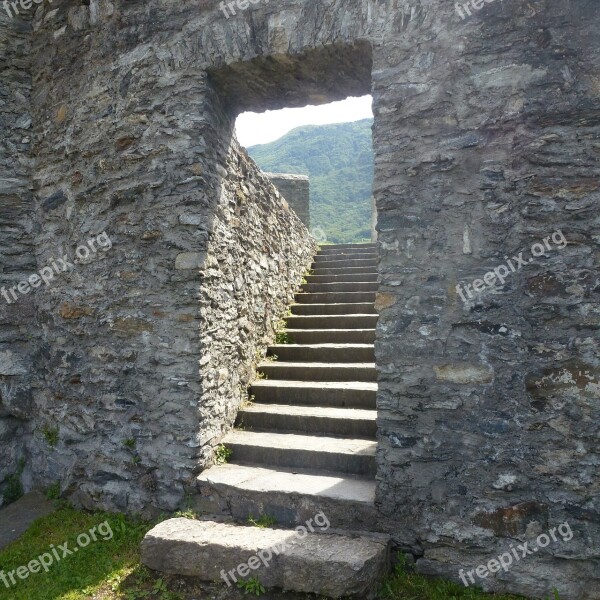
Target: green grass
{"points": [[111, 570], [264, 521], [82, 573], [404, 584]]}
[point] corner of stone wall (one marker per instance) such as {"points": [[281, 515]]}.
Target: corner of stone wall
{"points": [[257, 255], [296, 190], [17, 260]]}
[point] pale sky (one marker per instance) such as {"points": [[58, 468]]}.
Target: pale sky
{"points": [[254, 128]]}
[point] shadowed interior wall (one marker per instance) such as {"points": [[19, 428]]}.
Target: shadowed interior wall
{"points": [[18, 334]]}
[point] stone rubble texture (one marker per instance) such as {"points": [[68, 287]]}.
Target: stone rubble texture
{"points": [[118, 116]]}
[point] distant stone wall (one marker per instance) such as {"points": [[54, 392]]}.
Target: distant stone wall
{"points": [[17, 258], [296, 190]]}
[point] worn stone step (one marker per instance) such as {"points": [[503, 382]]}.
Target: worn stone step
{"points": [[345, 263], [317, 371], [331, 336], [364, 308], [319, 258], [337, 247], [335, 297], [342, 271], [291, 496], [326, 453], [313, 420], [329, 564], [338, 353], [359, 277], [341, 286], [332, 321], [350, 394]]}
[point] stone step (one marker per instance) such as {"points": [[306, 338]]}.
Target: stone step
{"points": [[317, 371], [337, 247], [360, 277], [319, 258], [338, 353], [342, 271], [289, 496], [331, 336], [316, 393], [324, 453], [312, 420], [364, 308], [329, 564], [341, 286], [335, 297], [345, 263], [332, 321]]}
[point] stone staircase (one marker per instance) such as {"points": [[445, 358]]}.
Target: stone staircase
{"points": [[306, 444]]}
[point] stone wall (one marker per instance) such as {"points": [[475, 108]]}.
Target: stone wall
{"points": [[296, 190], [139, 385], [17, 259], [486, 142], [488, 408], [257, 257]]}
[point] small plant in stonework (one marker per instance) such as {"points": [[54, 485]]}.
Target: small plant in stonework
{"points": [[222, 454], [188, 513], [263, 521], [281, 334], [53, 491], [14, 488], [50, 435], [252, 586], [129, 443]]}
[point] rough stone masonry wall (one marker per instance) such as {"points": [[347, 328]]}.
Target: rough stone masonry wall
{"points": [[138, 382], [257, 256], [489, 408], [17, 259]]}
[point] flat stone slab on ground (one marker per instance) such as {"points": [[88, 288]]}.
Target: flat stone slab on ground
{"points": [[333, 565], [16, 518]]}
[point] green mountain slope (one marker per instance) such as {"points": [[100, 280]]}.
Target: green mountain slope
{"points": [[339, 161]]}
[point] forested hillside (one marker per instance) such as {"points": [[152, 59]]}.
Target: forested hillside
{"points": [[339, 161]]}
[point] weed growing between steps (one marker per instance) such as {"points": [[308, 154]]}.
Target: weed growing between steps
{"points": [[263, 521]]}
